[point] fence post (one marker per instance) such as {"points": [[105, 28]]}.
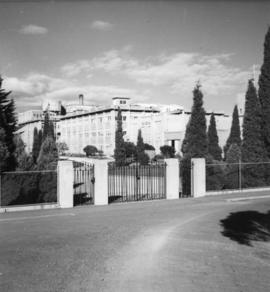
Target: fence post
{"points": [[172, 178], [101, 182], [65, 183], [198, 177]]}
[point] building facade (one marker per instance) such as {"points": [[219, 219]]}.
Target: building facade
{"points": [[84, 125]]}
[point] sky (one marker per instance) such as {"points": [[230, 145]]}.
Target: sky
{"points": [[150, 51]]}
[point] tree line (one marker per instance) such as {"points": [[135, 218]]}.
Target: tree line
{"points": [[13, 155], [252, 149]]}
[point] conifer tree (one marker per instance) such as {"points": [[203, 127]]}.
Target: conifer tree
{"points": [[46, 126], [48, 155], [40, 137], [195, 142], [24, 160], [3, 151], [8, 123], [235, 134], [213, 148], [264, 92], [253, 147], [36, 146], [119, 151], [141, 156], [233, 157]]}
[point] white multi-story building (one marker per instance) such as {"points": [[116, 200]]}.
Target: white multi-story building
{"points": [[95, 125]]}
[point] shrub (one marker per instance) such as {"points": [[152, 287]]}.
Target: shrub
{"points": [[90, 150]]}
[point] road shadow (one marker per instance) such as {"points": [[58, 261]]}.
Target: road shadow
{"points": [[247, 226]]}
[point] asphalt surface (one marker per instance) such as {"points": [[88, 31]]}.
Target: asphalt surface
{"points": [[181, 245]]}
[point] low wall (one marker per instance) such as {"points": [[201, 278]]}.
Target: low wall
{"points": [[224, 192], [29, 207]]}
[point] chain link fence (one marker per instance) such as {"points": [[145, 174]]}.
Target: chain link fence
{"points": [[237, 176]]}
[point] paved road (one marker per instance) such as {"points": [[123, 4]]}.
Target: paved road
{"points": [[147, 246]]}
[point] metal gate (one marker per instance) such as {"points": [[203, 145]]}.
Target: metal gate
{"points": [[136, 182], [84, 181], [185, 183]]}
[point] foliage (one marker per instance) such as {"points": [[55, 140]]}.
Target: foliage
{"points": [[185, 174], [215, 173], [8, 123], [233, 154], [90, 150], [119, 151], [235, 134], [63, 111], [28, 188], [158, 157], [36, 146], [40, 139], [264, 92], [167, 151], [48, 155], [213, 148], [3, 151], [253, 147], [143, 158], [148, 147], [62, 147], [140, 143], [130, 149], [232, 167], [195, 141], [48, 127], [24, 160]]}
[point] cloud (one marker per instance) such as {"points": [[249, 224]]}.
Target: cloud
{"points": [[101, 25], [73, 69], [177, 72], [32, 29], [29, 92]]}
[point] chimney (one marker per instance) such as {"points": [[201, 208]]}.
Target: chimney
{"points": [[81, 99]]}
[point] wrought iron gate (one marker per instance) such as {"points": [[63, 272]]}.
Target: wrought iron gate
{"points": [[185, 185], [84, 181], [136, 182]]}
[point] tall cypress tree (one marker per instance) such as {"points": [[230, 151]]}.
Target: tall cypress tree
{"points": [[8, 122], [40, 137], [235, 133], [48, 155], [264, 92], [195, 142], [213, 148], [140, 144], [141, 156], [253, 147], [36, 146], [46, 126], [119, 151]]}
